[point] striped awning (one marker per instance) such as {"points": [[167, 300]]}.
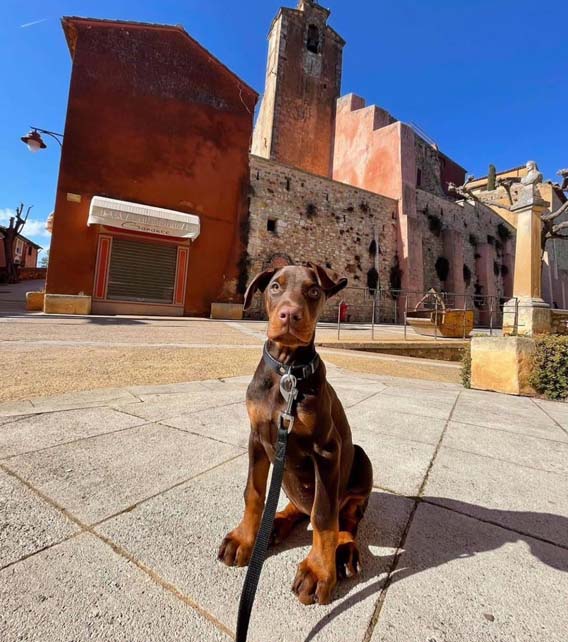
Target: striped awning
{"points": [[142, 218]]}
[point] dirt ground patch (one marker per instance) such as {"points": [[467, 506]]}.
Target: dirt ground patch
{"points": [[411, 369], [56, 370], [51, 371]]}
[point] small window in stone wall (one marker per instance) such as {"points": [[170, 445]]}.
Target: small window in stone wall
{"points": [[313, 39], [418, 177], [271, 225]]}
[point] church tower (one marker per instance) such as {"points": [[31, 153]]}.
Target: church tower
{"points": [[296, 122]]}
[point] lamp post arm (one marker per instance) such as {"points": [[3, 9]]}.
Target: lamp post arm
{"points": [[54, 135]]}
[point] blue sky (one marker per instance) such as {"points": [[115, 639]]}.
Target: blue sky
{"points": [[486, 79]]}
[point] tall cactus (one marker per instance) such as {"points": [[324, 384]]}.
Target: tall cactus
{"points": [[492, 178]]}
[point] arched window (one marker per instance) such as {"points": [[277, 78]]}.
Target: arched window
{"points": [[313, 43]]}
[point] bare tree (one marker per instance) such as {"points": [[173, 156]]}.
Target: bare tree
{"points": [[550, 230], [44, 259], [14, 228]]}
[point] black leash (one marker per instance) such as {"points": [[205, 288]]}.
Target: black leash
{"points": [[289, 390]]}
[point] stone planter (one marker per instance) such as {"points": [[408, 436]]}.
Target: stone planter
{"points": [[227, 311], [67, 304], [34, 301], [502, 364]]}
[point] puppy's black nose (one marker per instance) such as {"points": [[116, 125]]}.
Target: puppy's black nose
{"points": [[289, 313]]}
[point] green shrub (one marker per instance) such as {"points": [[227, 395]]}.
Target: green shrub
{"points": [[549, 375], [466, 367]]}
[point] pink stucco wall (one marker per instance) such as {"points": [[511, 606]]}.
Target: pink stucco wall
{"points": [[376, 152]]}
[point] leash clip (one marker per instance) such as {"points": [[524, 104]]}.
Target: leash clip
{"points": [[289, 390]]}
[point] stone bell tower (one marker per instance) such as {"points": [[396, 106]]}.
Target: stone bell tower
{"points": [[296, 122]]}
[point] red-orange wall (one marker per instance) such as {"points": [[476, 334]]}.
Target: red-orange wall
{"points": [[152, 118]]}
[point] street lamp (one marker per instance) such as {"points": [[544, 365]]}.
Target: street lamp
{"points": [[35, 142]]}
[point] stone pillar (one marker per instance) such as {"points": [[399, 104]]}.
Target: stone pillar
{"points": [[533, 315]]}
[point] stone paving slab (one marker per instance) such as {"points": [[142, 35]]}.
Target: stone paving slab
{"points": [[83, 399], [161, 407], [513, 414], [178, 535], [53, 428], [399, 465], [460, 580], [98, 477], [408, 383], [523, 499], [439, 408], [543, 454], [367, 416], [558, 411], [228, 424], [427, 396], [353, 394], [10, 409], [27, 522], [82, 590]]}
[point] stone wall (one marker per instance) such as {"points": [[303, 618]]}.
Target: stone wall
{"points": [[466, 234], [427, 167], [559, 321], [299, 217]]}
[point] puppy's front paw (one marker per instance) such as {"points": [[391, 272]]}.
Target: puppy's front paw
{"points": [[313, 583], [235, 549]]}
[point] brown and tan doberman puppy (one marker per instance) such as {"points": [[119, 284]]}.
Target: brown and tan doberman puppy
{"points": [[326, 477]]}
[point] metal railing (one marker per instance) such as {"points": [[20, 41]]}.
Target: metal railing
{"points": [[472, 311]]}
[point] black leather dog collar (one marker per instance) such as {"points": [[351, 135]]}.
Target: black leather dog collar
{"points": [[300, 371]]}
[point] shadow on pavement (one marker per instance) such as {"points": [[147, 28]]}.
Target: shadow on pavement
{"points": [[439, 545]]}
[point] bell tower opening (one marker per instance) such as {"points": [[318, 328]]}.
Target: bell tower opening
{"points": [[313, 43]]}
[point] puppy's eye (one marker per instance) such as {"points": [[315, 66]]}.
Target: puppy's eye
{"points": [[275, 287], [314, 293]]}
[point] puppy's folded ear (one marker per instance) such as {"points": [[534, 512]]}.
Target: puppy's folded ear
{"points": [[331, 284], [259, 282]]}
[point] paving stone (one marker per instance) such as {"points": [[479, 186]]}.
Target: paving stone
{"points": [[519, 449], [82, 590], [352, 394], [179, 533], [14, 408], [556, 409], [398, 464], [460, 580], [412, 384], [27, 522], [229, 424], [83, 399], [145, 391], [159, 407], [413, 405], [98, 477], [367, 416], [233, 384], [49, 429], [425, 395], [527, 500], [513, 414]]}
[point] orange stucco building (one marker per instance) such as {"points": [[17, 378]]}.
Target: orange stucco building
{"points": [[152, 191]]}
